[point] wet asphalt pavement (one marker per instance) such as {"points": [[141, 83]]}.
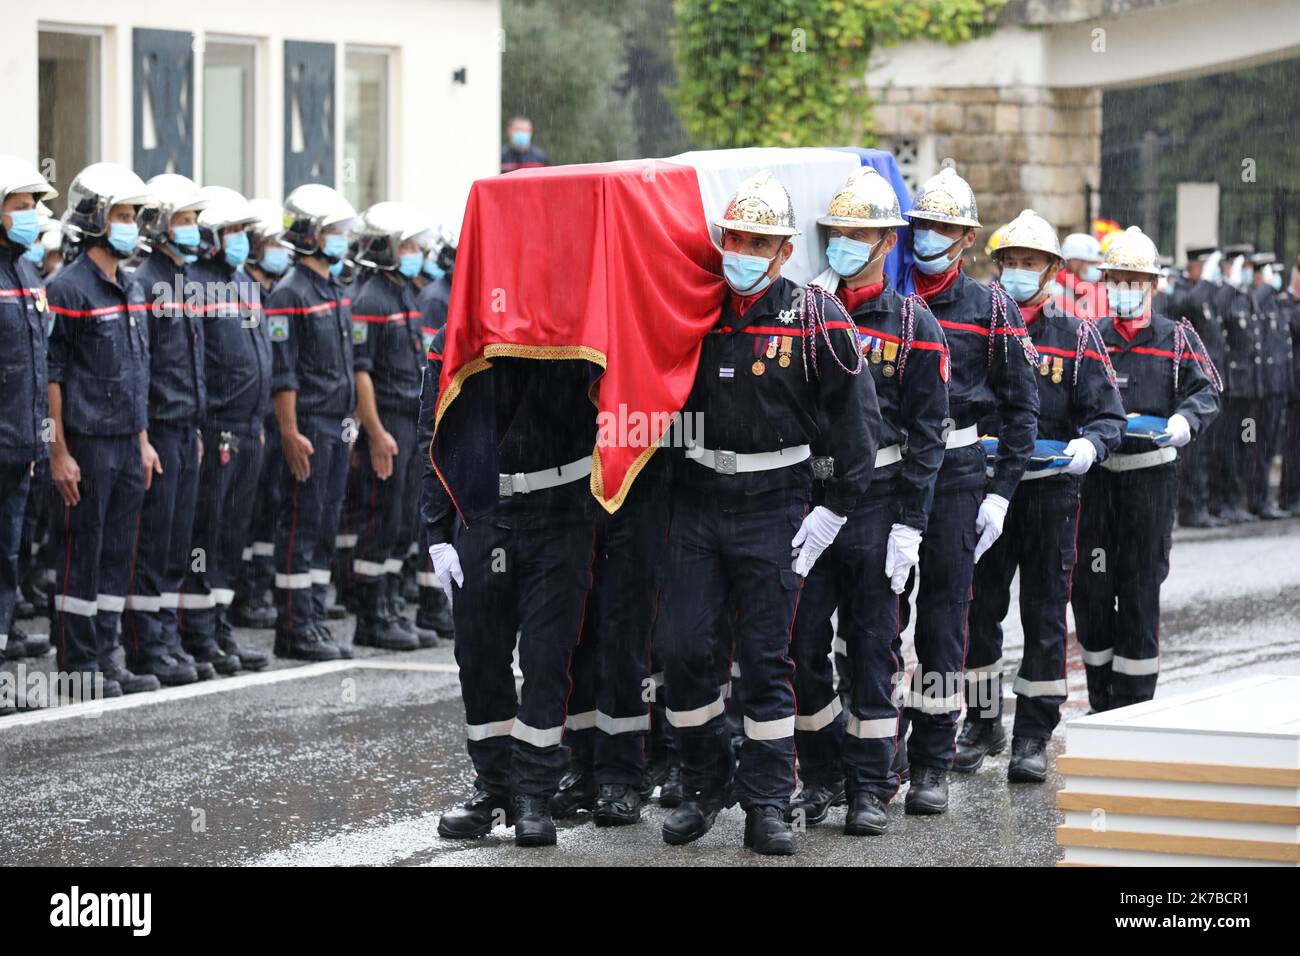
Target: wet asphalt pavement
{"points": [[351, 762]]}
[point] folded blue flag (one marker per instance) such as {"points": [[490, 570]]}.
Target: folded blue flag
{"points": [[1049, 454], [1147, 426]]}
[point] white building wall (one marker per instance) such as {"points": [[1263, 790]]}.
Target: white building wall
{"points": [[442, 135]]}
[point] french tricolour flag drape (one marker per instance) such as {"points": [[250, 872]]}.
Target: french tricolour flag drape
{"points": [[615, 263]]}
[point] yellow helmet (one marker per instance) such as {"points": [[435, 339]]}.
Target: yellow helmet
{"points": [[995, 241]]}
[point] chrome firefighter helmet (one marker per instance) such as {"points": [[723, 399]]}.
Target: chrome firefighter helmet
{"points": [[1030, 231], [19, 176], [175, 193], [945, 197], [1132, 251], [224, 208], [761, 205], [383, 228], [96, 190], [311, 209], [866, 199]]}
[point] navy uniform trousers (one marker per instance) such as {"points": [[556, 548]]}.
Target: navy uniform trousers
{"points": [[609, 711], [719, 561], [15, 481], [232, 463], [850, 576], [1038, 540], [1125, 534], [528, 572], [257, 575], [382, 537], [162, 548], [308, 521], [92, 549]]}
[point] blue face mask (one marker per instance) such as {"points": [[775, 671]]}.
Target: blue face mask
{"points": [[123, 237], [1091, 274], [409, 264], [24, 227], [1127, 303], [848, 257], [432, 269], [747, 275], [336, 268], [275, 259], [927, 243], [1021, 284], [1276, 281], [236, 248], [35, 254], [185, 237], [521, 139], [334, 246]]}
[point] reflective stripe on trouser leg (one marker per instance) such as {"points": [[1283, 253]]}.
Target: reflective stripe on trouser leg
{"points": [[819, 728], [1093, 589], [990, 602], [301, 560], [15, 482]]}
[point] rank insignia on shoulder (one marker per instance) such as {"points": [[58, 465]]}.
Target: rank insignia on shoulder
{"points": [[278, 327], [359, 333]]}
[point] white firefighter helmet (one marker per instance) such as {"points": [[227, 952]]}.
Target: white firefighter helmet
{"points": [[384, 227], [761, 205], [311, 209], [225, 207], [270, 219], [865, 200], [1132, 251], [1080, 245], [97, 189], [1030, 231], [175, 193], [945, 197], [19, 176]]}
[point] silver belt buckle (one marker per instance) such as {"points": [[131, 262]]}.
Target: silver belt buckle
{"points": [[505, 485], [724, 462]]}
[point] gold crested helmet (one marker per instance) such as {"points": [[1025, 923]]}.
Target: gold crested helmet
{"points": [[945, 197], [1030, 231], [1131, 251], [865, 200], [761, 205]]}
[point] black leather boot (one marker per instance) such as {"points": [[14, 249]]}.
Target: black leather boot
{"points": [[978, 739], [813, 802], [766, 832], [476, 817], [533, 823], [617, 805], [928, 792], [1028, 760], [577, 792], [692, 819], [866, 816]]}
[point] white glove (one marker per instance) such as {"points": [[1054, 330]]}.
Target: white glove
{"points": [[1082, 456], [993, 512], [902, 554], [819, 528], [1177, 433], [446, 566]]}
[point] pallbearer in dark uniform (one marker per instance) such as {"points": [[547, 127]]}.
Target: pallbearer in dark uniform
{"points": [[1199, 492], [24, 396], [1274, 383], [1242, 379], [865, 569], [1126, 522], [389, 357], [177, 401], [1080, 422], [1289, 303], [526, 573], [780, 370], [993, 365], [237, 364], [101, 461], [309, 319]]}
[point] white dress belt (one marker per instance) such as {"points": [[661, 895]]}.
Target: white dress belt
{"points": [[962, 437], [521, 483], [1145, 459], [732, 463]]}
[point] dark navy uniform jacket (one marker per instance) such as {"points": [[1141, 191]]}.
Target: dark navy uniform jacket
{"points": [[387, 341], [530, 158], [1145, 373], [1195, 302], [913, 403], [784, 406], [980, 387], [237, 352], [1289, 304], [177, 394], [309, 318], [1076, 395], [24, 398], [99, 352], [1275, 342], [1242, 377], [543, 419], [433, 301]]}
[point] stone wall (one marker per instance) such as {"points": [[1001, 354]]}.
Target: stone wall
{"points": [[1019, 147]]}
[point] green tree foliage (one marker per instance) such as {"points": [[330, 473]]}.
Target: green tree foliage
{"points": [[790, 72]]}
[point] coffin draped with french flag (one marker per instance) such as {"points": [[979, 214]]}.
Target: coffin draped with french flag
{"points": [[617, 264]]}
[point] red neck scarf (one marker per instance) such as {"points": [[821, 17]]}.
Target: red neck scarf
{"points": [[740, 304], [1130, 327], [928, 286], [1030, 313], [854, 299]]}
